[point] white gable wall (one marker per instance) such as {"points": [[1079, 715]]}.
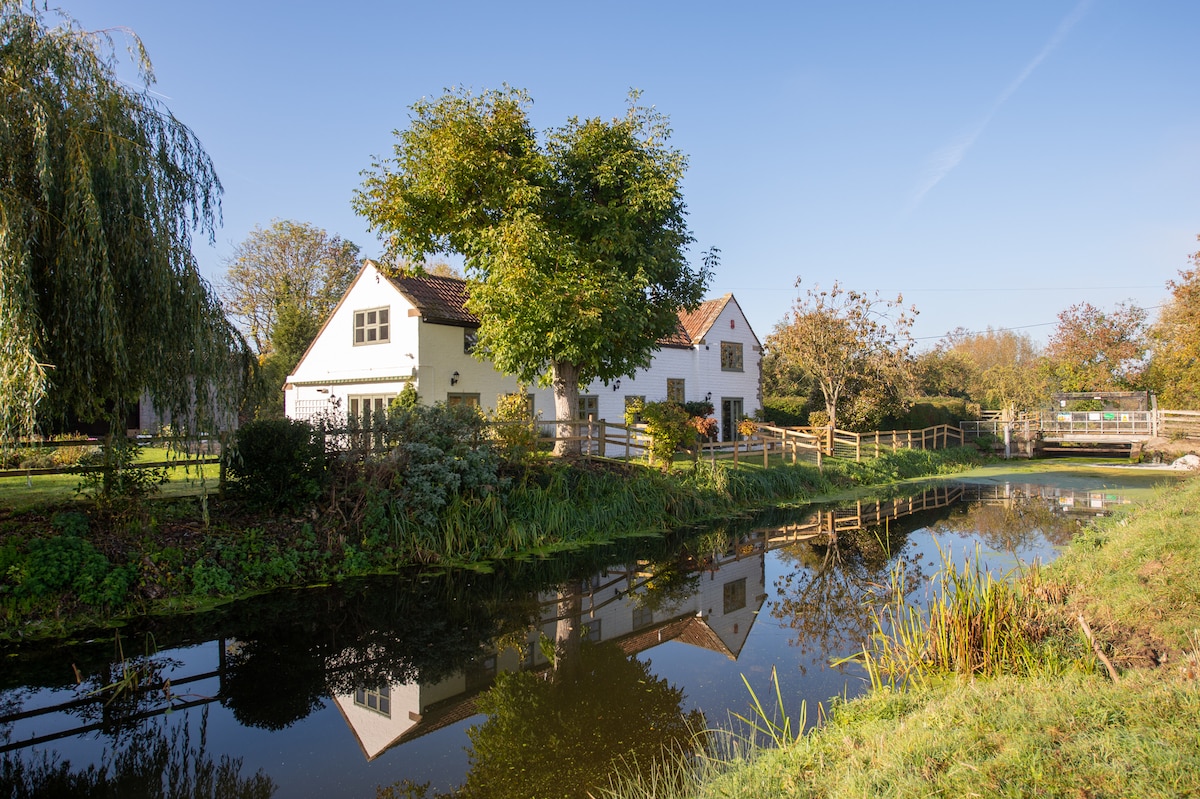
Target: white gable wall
{"points": [[334, 368]]}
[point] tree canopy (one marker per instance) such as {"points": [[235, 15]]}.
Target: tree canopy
{"points": [[293, 265], [855, 346], [1095, 350], [995, 368], [101, 189], [1174, 369], [574, 243]]}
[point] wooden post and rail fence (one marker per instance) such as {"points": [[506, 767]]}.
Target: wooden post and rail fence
{"points": [[604, 439]]}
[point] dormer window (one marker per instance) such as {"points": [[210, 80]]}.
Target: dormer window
{"points": [[371, 326]]}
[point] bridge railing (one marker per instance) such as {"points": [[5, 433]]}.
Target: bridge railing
{"points": [[1103, 423]]}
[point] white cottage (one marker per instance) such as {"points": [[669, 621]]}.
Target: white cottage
{"points": [[388, 332]]}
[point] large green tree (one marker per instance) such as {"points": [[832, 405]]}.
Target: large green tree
{"points": [[574, 242], [290, 265], [1174, 370], [101, 189], [854, 346]]}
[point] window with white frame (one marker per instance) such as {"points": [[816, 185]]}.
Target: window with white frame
{"points": [[371, 326]]}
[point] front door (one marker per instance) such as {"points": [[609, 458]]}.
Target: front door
{"points": [[731, 414]]}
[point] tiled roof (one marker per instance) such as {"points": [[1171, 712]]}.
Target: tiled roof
{"points": [[698, 322], [443, 300], [440, 299]]}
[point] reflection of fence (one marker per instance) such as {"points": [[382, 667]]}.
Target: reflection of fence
{"points": [[170, 701]]}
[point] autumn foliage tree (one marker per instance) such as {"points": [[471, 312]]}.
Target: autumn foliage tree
{"points": [[853, 345], [996, 368], [280, 285], [1174, 369], [288, 265], [574, 242], [1095, 350]]}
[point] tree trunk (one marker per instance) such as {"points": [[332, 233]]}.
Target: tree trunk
{"points": [[567, 632], [566, 406]]}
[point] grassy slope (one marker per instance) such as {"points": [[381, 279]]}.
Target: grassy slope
{"points": [[1137, 578]]}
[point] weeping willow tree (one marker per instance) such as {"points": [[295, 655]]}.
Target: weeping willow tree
{"points": [[101, 189]]}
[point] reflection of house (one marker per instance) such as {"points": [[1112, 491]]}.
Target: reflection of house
{"points": [[616, 607], [389, 332]]}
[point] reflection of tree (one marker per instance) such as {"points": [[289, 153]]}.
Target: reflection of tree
{"points": [[146, 762], [1011, 526], [565, 733], [827, 600]]}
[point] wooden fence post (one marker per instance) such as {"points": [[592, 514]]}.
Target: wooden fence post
{"points": [[603, 437], [764, 443]]}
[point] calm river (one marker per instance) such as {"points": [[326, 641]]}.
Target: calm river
{"points": [[532, 680]]}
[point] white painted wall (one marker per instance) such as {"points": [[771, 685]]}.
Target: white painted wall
{"points": [[429, 354]]}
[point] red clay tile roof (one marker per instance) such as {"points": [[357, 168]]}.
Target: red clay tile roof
{"points": [[698, 322], [442, 300]]}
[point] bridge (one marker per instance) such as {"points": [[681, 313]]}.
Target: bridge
{"points": [[1113, 427]]}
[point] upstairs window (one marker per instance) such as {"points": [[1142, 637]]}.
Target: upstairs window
{"points": [[371, 326], [731, 356], [470, 340]]}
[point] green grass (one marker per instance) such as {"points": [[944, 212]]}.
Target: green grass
{"points": [[21, 493]]}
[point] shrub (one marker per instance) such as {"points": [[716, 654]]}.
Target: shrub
{"points": [[278, 463], [513, 429], [668, 425], [785, 411], [932, 411]]}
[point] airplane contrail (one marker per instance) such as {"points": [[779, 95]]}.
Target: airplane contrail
{"points": [[946, 159]]}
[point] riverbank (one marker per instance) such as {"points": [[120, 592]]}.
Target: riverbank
{"points": [[75, 565], [1064, 722]]}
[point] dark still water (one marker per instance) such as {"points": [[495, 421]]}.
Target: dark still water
{"points": [[532, 680]]}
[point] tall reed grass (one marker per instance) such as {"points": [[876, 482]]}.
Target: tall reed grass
{"points": [[973, 624]]}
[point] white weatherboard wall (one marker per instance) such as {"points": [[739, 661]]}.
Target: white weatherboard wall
{"points": [[429, 355]]}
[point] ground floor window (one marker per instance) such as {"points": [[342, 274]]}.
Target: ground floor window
{"points": [[363, 407], [589, 406], [459, 398], [675, 392]]}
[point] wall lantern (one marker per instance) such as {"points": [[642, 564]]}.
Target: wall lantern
{"points": [[454, 379], [616, 384], [708, 397]]}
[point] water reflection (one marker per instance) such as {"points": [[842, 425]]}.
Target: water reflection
{"points": [[551, 658]]}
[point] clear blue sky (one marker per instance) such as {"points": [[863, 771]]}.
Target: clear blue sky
{"points": [[995, 162]]}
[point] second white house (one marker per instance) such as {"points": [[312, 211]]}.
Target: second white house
{"points": [[388, 332]]}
